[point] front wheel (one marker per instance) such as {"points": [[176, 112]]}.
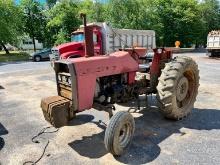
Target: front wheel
{"points": [[119, 133], [178, 87]]}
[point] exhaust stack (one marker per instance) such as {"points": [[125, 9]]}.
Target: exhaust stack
{"points": [[88, 32]]}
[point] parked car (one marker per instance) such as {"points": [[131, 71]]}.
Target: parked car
{"points": [[40, 55]]}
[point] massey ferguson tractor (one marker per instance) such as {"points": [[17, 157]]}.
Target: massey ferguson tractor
{"points": [[102, 81]]}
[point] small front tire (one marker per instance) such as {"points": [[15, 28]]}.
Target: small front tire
{"points": [[119, 133]]}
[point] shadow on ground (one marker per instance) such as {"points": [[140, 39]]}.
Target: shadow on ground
{"points": [[1, 87], [3, 131], [151, 129], [81, 119], [213, 58]]}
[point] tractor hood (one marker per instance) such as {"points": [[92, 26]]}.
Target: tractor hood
{"points": [[85, 71]]}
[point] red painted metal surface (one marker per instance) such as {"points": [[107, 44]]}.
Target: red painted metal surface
{"points": [[89, 45], [137, 52], [71, 46], [155, 69], [69, 54], [98, 44], [140, 51], [89, 69], [78, 48], [131, 77]]}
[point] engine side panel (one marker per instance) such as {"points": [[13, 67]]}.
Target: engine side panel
{"points": [[89, 69]]}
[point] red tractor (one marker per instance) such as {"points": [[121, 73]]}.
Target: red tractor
{"points": [[102, 81]]}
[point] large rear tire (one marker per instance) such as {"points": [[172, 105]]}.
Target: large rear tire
{"points": [[119, 133], [178, 87]]}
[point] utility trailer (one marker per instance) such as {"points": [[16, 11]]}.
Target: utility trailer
{"points": [[213, 43]]}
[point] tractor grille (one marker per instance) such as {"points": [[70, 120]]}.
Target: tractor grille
{"points": [[65, 85], [55, 55]]}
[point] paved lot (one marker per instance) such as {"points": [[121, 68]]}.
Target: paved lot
{"points": [[195, 140]]}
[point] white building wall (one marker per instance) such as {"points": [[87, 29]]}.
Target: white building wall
{"points": [[27, 44]]}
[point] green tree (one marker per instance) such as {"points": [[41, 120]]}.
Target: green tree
{"points": [[210, 17], [124, 13], [61, 37], [10, 23], [63, 19], [180, 21], [94, 9], [99, 10], [34, 20], [51, 3], [188, 21]]}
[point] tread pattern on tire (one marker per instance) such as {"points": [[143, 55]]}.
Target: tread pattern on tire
{"points": [[167, 85], [109, 132]]}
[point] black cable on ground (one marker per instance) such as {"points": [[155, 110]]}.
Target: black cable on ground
{"points": [[36, 141]]}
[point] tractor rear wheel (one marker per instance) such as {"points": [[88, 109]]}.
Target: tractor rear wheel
{"points": [[178, 87], [119, 133]]}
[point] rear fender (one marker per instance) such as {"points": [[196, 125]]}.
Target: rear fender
{"points": [[161, 56]]}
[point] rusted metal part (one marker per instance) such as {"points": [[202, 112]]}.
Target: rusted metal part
{"points": [[88, 32], [136, 53], [142, 82], [83, 16], [139, 50], [182, 89], [161, 56], [56, 110], [89, 45]]}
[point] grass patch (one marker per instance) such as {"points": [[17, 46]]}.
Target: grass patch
{"points": [[13, 56]]}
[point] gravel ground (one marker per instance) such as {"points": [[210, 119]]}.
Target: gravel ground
{"points": [[194, 140]]}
